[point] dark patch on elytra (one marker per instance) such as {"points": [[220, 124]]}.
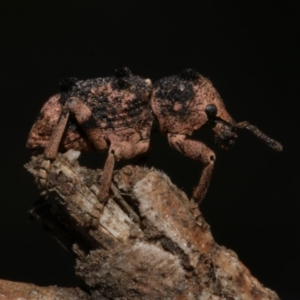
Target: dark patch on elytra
{"points": [[174, 89], [74, 88], [100, 110], [136, 107], [123, 72], [190, 74], [64, 96], [67, 84], [124, 83], [112, 112], [135, 113]]}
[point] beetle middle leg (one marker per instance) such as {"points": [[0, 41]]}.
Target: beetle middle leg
{"points": [[197, 151], [116, 152]]}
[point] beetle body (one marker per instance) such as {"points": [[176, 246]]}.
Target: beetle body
{"points": [[115, 114], [119, 107]]}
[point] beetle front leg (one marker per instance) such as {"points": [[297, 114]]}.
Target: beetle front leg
{"points": [[200, 152]]}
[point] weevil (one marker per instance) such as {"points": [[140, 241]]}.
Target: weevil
{"points": [[116, 114]]}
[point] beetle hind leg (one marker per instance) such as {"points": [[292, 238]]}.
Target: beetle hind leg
{"points": [[52, 147], [85, 120]]}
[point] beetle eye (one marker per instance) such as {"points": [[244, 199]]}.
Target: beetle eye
{"points": [[211, 110]]}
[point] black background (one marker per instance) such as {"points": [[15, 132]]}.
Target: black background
{"points": [[249, 49]]}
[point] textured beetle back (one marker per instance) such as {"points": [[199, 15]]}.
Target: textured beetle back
{"points": [[116, 102], [119, 104], [176, 103]]}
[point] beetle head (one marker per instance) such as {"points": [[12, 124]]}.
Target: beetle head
{"points": [[218, 118], [184, 103], [225, 127]]}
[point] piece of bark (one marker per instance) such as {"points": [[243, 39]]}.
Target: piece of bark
{"points": [[25, 291], [147, 242]]}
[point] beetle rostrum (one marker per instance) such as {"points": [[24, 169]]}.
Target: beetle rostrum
{"points": [[115, 114]]}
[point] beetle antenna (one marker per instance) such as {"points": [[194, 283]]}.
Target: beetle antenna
{"points": [[263, 137]]}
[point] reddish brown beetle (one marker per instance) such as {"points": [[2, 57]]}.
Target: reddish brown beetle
{"points": [[116, 114]]}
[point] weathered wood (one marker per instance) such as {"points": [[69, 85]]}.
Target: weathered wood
{"points": [[149, 241], [10, 290]]}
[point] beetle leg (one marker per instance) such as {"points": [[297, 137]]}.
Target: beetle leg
{"points": [[86, 121], [52, 147], [200, 152], [106, 177], [118, 151]]}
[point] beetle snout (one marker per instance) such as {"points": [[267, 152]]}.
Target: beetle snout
{"points": [[225, 134]]}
